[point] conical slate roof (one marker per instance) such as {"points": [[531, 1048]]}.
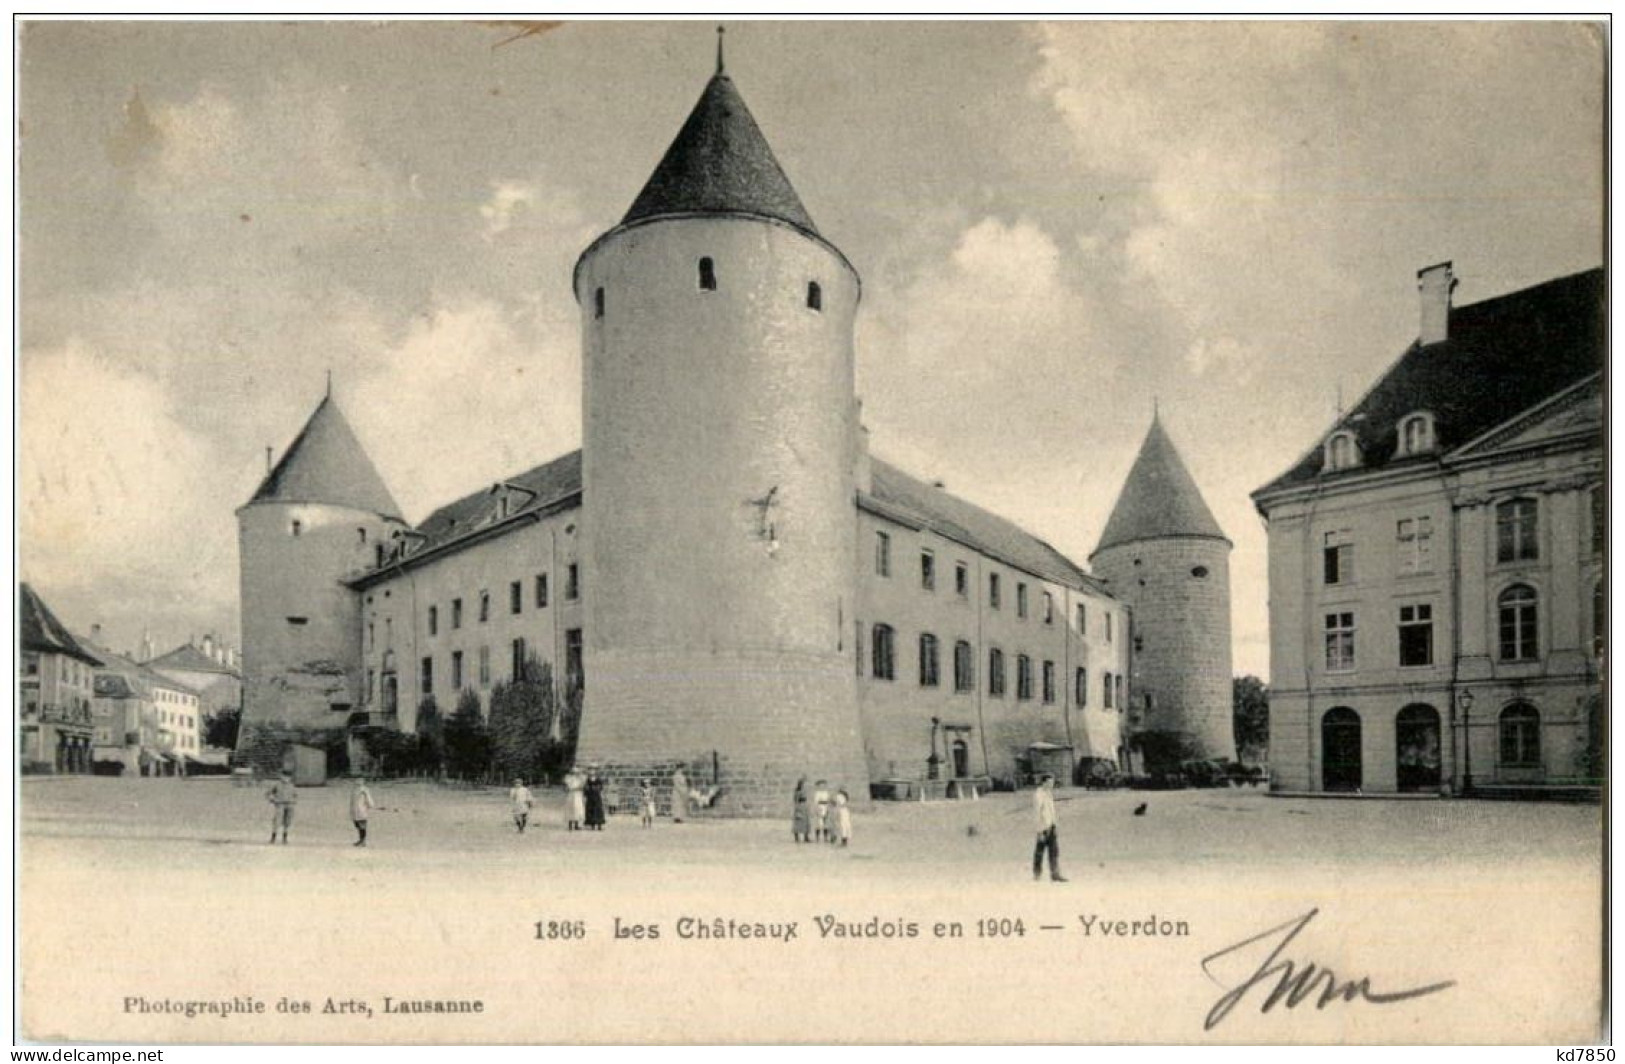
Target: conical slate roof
{"points": [[720, 164], [325, 463], [1159, 498]]}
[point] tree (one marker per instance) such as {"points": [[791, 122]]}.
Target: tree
{"points": [[392, 752], [1251, 698], [431, 738], [521, 721], [468, 741], [220, 728]]}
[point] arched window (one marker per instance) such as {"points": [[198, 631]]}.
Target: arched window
{"points": [[1024, 677], [708, 275], [928, 660], [1518, 607], [883, 653], [1516, 525], [815, 296], [1341, 756], [964, 667], [1416, 434], [1342, 451], [1520, 736], [598, 303], [995, 672]]}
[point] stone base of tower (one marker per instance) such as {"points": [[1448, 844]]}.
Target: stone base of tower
{"points": [[749, 725]]}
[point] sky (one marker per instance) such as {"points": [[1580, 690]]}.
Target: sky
{"points": [[1057, 225]]}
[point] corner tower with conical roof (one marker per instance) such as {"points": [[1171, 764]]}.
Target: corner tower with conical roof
{"points": [[1165, 555], [718, 455], [321, 514]]}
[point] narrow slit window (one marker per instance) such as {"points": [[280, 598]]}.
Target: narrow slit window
{"points": [[708, 275], [598, 303], [815, 296]]}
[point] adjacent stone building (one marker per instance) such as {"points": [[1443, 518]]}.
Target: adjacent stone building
{"points": [[1437, 559], [56, 686], [731, 579]]}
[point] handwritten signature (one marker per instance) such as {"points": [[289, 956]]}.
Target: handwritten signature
{"points": [[1296, 984]]}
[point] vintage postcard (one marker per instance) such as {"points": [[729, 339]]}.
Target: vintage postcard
{"points": [[811, 532]]}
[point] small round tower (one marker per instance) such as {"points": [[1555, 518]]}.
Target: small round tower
{"points": [[320, 515], [1165, 556], [719, 529]]}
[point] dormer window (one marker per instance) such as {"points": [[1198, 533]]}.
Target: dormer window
{"points": [[1416, 434], [1342, 451]]}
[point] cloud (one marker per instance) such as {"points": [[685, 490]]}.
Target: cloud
{"points": [[507, 198]]}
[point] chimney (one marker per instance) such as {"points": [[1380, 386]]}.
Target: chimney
{"points": [[1435, 283]]}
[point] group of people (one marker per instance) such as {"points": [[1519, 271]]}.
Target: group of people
{"points": [[821, 816]]}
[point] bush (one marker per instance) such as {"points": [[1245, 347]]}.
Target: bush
{"points": [[467, 739], [522, 721]]}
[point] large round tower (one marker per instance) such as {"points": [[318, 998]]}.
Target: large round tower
{"points": [[717, 477], [1165, 556], [320, 515]]}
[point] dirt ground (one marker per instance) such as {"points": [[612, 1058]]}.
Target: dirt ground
{"points": [[158, 892]]}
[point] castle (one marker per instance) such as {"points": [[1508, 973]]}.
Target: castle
{"points": [[736, 585]]}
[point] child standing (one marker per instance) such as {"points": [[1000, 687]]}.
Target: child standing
{"points": [[646, 802], [283, 798], [821, 812], [843, 817], [521, 798], [361, 805]]}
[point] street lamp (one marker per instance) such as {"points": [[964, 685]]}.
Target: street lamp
{"points": [[1465, 701]]}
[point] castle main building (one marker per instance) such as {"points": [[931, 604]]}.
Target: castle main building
{"points": [[737, 586]]}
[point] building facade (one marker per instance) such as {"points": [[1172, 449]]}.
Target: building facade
{"points": [[731, 579], [56, 688], [146, 723], [1437, 560], [208, 667]]}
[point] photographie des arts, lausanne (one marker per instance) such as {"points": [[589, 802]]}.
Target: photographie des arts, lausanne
{"points": [[1096, 520]]}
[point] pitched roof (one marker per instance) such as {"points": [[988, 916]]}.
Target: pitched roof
{"points": [[39, 630], [189, 658], [121, 677], [918, 502], [326, 463], [720, 163], [1159, 497], [557, 485], [1502, 356]]}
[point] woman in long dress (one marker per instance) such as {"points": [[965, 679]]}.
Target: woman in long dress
{"points": [[595, 802], [679, 795], [801, 820], [576, 812]]}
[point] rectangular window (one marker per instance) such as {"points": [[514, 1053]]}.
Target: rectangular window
{"points": [[1122, 702], [434, 620], [1080, 687], [1049, 608], [541, 591], [517, 672], [428, 676], [928, 571], [993, 590], [485, 666], [456, 613], [1599, 521], [516, 597], [1416, 635], [574, 674], [882, 554], [857, 647], [964, 667], [928, 660], [885, 658], [995, 672], [1515, 529], [1021, 600], [1108, 617], [485, 606], [1106, 689], [961, 580], [1415, 536], [456, 670], [572, 582], [1337, 558], [1083, 621], [1339, 642], [1024, 678], [1049, 681]]}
